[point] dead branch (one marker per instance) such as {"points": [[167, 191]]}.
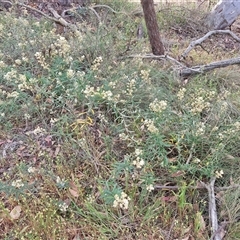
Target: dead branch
{"points": [[76, 8], [213, 210], [200, 185], [57, 18], [200, 40], [180, 69], [95, 13], [104, 6], [61, 20], [6, 4], [212, 207], [185, 72], [152, 56]]}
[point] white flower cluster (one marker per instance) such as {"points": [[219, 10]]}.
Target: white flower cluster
{"points": [[200, 129], [158, 106], [131, 86], [37, 131], [61, 182], [63, 207], [237, 126], [181, 93], [123, 136], [150, 188], [2, 64], [219, 174], [145, 75], [106, 95], [10, 75], [17, 183], [96, 63], [201, 100], [31, 169], [138, 162], [18, 61], [41, 59], [70, 73], [89, 91], [60, 47], [198, 105], [150, 126], [13, 94], [121, 201]]}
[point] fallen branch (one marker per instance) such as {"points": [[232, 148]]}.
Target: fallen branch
{"points": [[61, 20], [216, 230], [200, 40], [201, 185], [212, 208], [57, 18], [185, 72], [6, 4], [74, 10]]}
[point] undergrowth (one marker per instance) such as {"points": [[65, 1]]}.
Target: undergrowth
{"points": [[87, 137]]}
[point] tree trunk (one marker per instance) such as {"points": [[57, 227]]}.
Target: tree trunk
{"points": [[152, 27], [223, 14]]}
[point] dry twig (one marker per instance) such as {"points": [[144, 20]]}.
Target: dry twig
{"points": [[57, 18], [200, 40]]}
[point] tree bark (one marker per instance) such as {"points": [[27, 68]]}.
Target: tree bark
{"points": [[152, 27], [223, 14]]}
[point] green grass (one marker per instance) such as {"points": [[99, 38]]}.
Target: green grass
{"points": [[86, 134]]}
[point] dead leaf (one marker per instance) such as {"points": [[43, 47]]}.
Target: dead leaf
{"points": [[186, 238], [73, 189], [169, 199], [15, 213], [171, 160], [177, 174], [73, 193], [57, 150], [48, 141], [186, 231]]}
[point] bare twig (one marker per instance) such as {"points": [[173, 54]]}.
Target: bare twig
{"points": [[152, 56], [200, 40], [190, 155], [96, 14]]}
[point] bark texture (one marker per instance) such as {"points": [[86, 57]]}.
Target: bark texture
{"points": [[152, 27], [224, 14]]}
